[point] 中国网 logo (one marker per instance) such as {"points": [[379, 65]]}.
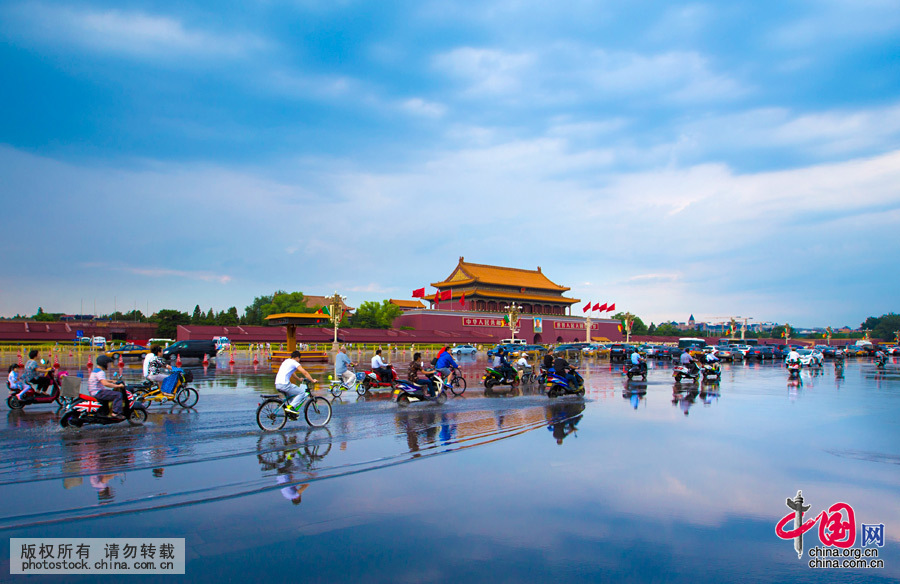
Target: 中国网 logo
{"points": [[837, 535]]}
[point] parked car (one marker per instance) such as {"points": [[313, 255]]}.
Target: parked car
{"points": [[190, 349], [724, 352], [809, 358], [768, 352], [826, 350], [664, 352], [463, 350], [619, 352], [754, 353], [222, 343], [530, 350], [596, 350], [129, 350]]}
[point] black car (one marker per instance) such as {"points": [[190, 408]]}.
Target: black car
{"points": [[754, 353], [190, 349], [827, 351], [619, 352], [768, 352]]}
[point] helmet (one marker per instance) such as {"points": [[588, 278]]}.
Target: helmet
{"points": [[103, 361]]}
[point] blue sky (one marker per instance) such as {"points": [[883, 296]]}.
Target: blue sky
{"points": [[715, 159]]}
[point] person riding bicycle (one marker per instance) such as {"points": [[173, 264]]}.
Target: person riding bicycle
{"points": [[102, 389], [382, 369], [342, 368], [155, 367], [446, 364], [419, 375], [283, 384]]}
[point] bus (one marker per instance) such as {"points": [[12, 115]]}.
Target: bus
{"points": [[748, 342], [691, 343]]}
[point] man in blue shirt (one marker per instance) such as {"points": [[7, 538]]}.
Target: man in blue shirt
{"points": [[446, 364], [342, 365]]}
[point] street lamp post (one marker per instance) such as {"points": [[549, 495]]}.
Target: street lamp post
{"points": [[628, 321], [336, 308], [512, 314], [828, 332]]}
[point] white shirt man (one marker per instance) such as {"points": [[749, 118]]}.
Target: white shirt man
{"points": [[793, 356], [283, 380]]}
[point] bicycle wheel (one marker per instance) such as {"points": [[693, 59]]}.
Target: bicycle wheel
{"points": [[137, 417], [187, 397], [270, 415], [336, 389], [458, 385], [317, 411], [361, 388]]}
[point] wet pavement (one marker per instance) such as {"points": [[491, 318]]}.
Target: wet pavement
{"points": [[651, 481]]}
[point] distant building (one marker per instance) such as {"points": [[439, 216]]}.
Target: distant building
{"points": [[320, 301], [405, 305], [485, 288]]}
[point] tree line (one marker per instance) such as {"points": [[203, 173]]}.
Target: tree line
{"points": [[368, 315]]}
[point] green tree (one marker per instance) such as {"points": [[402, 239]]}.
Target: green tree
{"points": [[637, 325], [375, 315], [197, 316], [277, 303], [884, 326], [45, 316], [168, 321], [227, 317]]}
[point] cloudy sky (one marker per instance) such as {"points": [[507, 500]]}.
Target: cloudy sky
{"points": [[737, 158]]}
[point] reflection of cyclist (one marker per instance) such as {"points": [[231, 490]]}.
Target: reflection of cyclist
{"points": [[291, 492]]}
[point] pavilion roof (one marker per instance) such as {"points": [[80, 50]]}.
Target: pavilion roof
{"points": [[510, 295], [468, 273]]}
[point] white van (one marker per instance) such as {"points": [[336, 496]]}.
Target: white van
{"points": [[513, 342], [98, 342]]}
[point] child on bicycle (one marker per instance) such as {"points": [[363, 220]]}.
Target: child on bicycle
{"points": [[283, 383]]}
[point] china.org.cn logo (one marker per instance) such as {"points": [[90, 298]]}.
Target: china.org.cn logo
{"points": [[837, 535]]}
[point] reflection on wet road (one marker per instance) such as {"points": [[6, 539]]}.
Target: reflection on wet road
{"points": [[654, 450]]}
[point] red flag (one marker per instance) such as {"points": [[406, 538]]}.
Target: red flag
{"points": [[462, 299], [420, 293], [596, 307], [611, 307], [620, 328], [446, 294], [586, 307], [602, 307]]}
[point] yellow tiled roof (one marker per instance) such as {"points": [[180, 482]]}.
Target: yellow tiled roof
{"points": [[466, 273], [407, 303], [511, 295]]}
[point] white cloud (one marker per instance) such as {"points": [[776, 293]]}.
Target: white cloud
{"points": [[565, 73], [421, 107], [136, 34]]}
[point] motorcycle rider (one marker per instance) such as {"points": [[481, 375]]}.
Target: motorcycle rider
{"points": [[561, 367], [548, 361], [880, 358], [687, 360], [33, 374], [381, 368], [419, 375], [283, 383], [792, 357], [638, 361], [446, 364], [506, 370], [102, 389]]}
